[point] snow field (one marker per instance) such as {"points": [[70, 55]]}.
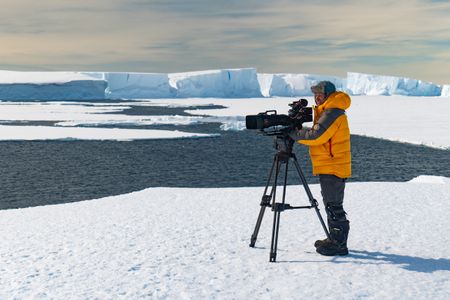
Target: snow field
{"points": [[416, 120], [177, 243], [33, 133], [182, 243]]}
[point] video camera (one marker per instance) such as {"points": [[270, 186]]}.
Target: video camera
{"points": [[279, 124]]}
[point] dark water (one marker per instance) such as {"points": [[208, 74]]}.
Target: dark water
{"points": [[49, 172]]}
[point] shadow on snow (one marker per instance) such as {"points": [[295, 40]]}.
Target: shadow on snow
{"points": [[410, 263]]}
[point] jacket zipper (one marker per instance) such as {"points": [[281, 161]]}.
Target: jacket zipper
{"points": [[331, 152]]}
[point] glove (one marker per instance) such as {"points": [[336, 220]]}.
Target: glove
{"points": [[293, 133]]}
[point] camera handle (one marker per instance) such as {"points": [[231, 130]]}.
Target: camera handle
{"points": [[269, 200]]}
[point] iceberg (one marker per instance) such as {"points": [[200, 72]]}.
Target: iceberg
{"points": [[294, 85], [137, 86], [229, 83], [50, 86], [226, 83], [373, 85], [445, 91]]}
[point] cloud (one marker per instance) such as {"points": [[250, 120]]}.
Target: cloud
{"points": [[387, 37]]}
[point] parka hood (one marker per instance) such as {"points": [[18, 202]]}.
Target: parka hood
{"points": [[336, 100]]}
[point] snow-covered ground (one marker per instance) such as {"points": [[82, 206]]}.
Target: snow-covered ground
{"points": [[178, 243], [416, 120], [10, 133]]}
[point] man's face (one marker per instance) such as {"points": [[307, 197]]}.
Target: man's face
{"points": [[319, 98]]}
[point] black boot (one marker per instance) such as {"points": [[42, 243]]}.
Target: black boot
{"points": [[338, 243], [320, 243]]}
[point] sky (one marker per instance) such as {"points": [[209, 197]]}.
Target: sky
{"points": [[407, 38]]}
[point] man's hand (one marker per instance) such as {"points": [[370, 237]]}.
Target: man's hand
{"points": [[294, 133]]}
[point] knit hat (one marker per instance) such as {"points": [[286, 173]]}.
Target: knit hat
{"points": [[324, 87]]}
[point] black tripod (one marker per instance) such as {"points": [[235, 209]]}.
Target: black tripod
{"points": [[283, 144]]}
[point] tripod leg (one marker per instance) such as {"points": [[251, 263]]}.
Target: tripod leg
{"points": [[276, 218], [310, 196], [265, 202], [273, 246]]}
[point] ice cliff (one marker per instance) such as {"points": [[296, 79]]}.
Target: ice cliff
{"points": [[293, 85], [50, 86], [445, 91], [367, 84], [227, 83], [242, 83]]}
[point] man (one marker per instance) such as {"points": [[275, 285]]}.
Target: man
{"points": [[329, 148]]}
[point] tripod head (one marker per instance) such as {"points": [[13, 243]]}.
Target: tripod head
{"points": [[283, 143]]}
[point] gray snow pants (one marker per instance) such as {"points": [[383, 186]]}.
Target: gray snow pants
{"points": [[333, 196]]}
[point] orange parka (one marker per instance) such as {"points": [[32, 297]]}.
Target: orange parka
{"points": [[329, 138]]}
